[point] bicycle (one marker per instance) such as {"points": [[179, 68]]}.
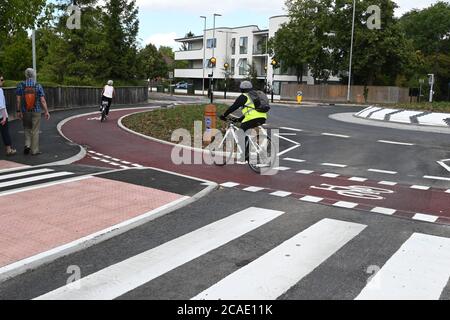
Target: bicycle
{"points": [[261, 153], [103, 110]]}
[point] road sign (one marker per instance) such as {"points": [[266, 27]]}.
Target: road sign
{"points": [[170, 74]]}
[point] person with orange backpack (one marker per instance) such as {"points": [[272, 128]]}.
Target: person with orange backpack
{"points": [[30, 102]]}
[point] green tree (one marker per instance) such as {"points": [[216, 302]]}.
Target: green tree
{"points": [[121, 28], [152, 62]]}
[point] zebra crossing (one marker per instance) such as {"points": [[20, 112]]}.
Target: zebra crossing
{"points": [[35, 177], [418, 269]]}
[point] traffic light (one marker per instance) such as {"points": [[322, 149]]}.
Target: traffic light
{"points": [[212, 62], [274, 63], [225, 66]]}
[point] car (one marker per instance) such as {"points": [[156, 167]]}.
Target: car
{"points": [[181, 85]]}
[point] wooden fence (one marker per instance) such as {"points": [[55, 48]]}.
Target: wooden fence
{"points": [[70, 97], [338, 93]]}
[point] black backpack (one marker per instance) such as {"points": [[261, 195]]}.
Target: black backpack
{"points": [[260, 100]]}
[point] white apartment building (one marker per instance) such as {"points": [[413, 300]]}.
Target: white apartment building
{"points": [[240, 48]]}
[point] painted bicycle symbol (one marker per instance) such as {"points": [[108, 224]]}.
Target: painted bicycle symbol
{"points": [[362, 192]]}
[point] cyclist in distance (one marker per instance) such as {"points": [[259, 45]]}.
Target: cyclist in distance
{"points": [[108, 94], [251, 118]]}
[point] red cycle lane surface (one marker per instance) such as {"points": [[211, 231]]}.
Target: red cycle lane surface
{"points": [[108, 139]]}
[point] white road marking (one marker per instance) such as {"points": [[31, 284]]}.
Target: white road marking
{"points": [[311, 199], [33, 179], [281, 168], [335, 135], [281, 193], [125, 162], [358, 179], [419, 187], [272, 274], [419, 270], [396, 142], [96, 158], [287, 150], [345, 204], [253, 189], [334, 165], [329, 175], [292, 129], [447, 191], [294, 160], [437, 178], [382, 171], [125, 167], [305, 171], [120, 278], [425, 217], [446, 167], [383, 210], [22, 174], [387, 183], [229, 184], [136, 165], [291, 141]]}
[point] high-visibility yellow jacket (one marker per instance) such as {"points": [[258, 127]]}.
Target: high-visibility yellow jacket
{"points": [[250, 112]]}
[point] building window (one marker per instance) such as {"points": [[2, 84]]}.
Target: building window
{"points": [[211, 43], [233, 46], [243, 67], [243, 43], [232, 66]]}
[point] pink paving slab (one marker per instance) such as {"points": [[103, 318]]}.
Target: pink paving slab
{"points": [[4, 164], [35, 221]]}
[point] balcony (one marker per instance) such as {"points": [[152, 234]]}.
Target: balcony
{"points": [[191, 73], [189, 55]]}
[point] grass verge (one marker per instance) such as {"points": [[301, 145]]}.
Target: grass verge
{"points": [[162, 122]]}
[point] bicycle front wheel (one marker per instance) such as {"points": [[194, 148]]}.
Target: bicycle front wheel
{"points": [[221, 152]]}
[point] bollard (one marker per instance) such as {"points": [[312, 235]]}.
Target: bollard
{"points": [[210, 121], [299, 96]]}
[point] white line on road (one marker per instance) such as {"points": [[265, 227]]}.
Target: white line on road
{"points": [[22, 174], [334, 165], [292, 129], [387, 183], [294, 160], [382, 210], [305, 171], [311, 199], [425, 217], [446, 167], [120, 278], [419, 187], [358, 179], [281, 193], [272, 274], [229, 184], [345, 204], [419, 270], [335, 135], [382, 171], [287, 150], [289, 140], [396, 142], [253, 189], [437, 178], [32, 179], [329, 175]]}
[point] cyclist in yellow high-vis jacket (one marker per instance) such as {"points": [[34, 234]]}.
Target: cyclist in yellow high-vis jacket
{"points": [[250, 117]]}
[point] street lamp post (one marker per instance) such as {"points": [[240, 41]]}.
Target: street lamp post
{"points": [[214, 42], [226, 65], [33, 44], [204, 54], [351, 53]]}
